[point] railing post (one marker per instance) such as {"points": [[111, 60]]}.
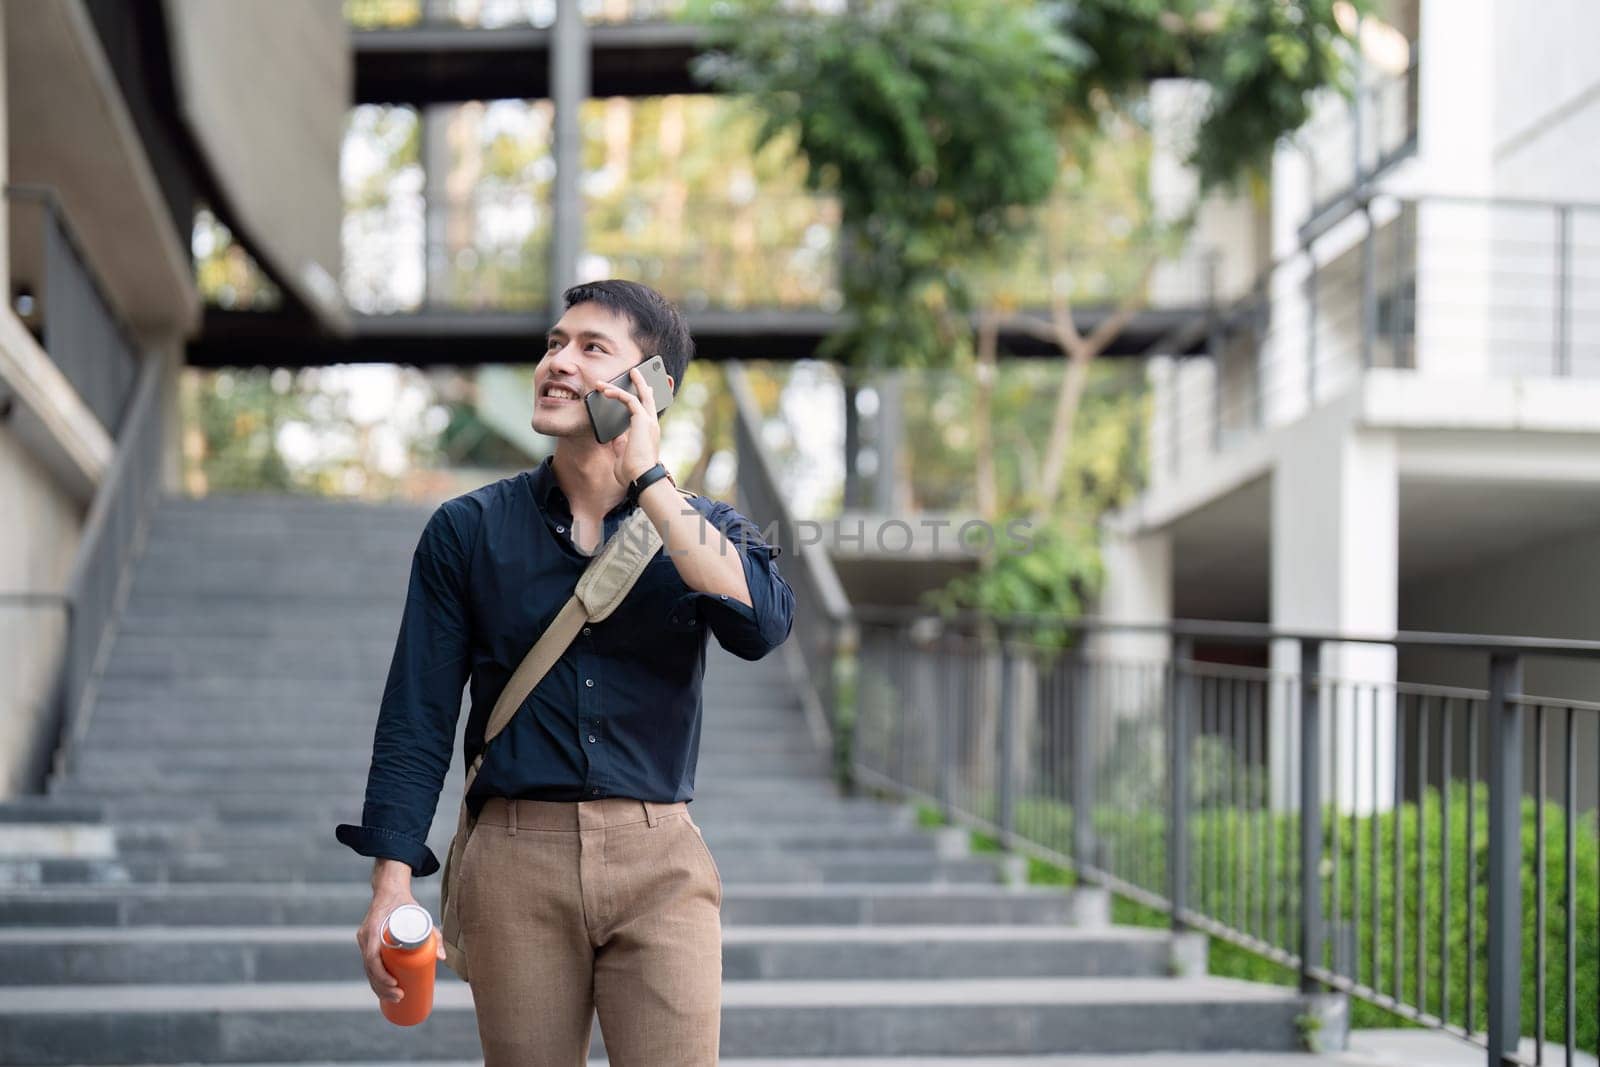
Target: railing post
{"points": [[1358, 117], [1311, 328], [1311, 933], [947, 753], [570, 84], [1179, 710], [1260, 317], [1369, 288], [1174, 415], [1214, 350], [828, 653], [1563, 333], [1005, 782], [842, 656], [1505, 857], [1082, 726], [1402, 314]]}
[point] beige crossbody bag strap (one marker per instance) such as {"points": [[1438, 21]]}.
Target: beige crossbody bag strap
{"points": [[604, 584]]}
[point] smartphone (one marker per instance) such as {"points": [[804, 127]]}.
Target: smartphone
{"points": [[609, 416]]}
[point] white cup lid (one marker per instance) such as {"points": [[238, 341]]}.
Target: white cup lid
{"points": [[409, 925]]}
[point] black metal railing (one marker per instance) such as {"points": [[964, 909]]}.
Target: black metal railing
{"points": [[1369, 133], [113, 535], [1302, 804], [823, 634], [56, 295], [1460, 286]]}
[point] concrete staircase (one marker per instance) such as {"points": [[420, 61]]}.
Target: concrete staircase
{"points": [[178, 896]]}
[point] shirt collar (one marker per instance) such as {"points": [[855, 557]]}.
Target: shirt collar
{"points": [[545, 486], [548, 492]]}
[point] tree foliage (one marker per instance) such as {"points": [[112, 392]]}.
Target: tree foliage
{"points": [[938, 124], [943, 126]]}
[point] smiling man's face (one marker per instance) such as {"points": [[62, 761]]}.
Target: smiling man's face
{"points": [[591, 344]]}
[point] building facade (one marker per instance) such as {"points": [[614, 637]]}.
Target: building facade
{"points": [[1394, 429], [119, 120]]}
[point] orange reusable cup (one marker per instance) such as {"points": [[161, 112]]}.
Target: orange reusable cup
{"points": [[410, 952]]}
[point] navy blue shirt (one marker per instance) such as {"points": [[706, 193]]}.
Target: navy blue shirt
{"points": [[618, 714]]}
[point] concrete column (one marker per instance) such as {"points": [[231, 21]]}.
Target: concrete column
{"points": [[852, 437], [1160, 374], [1335, 553], [569, 87], [1455, 148], [890, 430], [170, 352], [5, 167], [1138, 581], [1137, 588], [1294, 364], [434, 153]]}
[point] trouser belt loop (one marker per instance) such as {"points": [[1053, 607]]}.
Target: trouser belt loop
{"points": [[651, 816], [511, 816]]}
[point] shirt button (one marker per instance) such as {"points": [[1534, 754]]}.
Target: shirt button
{"points": [[561, 529], [591, 739], [589, 682], [586, 631], [691, 622], [594, 792], [724, 596]]}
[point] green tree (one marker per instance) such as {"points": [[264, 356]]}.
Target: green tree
{"points": [[944, 126]]}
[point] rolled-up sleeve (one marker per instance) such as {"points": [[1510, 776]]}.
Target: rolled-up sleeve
{"points": [[415, 734], [751, 630]]}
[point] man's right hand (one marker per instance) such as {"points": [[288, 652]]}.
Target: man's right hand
{"points": [[391, 887]]}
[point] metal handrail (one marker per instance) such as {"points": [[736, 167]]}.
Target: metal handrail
{"points": [[1277, 353], [1224, 631], [1152, 777], [824, 619], [1356, 122]]}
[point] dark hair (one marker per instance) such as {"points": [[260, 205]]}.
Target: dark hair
{"points": [[659, 328]]}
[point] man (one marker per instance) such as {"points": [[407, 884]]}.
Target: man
{"points": [[585, 884]]}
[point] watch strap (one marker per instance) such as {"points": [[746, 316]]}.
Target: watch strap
{"points": [[646, 480]]}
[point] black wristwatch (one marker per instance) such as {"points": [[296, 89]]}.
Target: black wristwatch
{"points": [[647, 479]]}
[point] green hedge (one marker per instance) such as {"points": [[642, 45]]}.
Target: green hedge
{"points": [[1230, 851]]}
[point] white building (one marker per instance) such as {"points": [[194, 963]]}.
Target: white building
{"points": [[1404, 433]]}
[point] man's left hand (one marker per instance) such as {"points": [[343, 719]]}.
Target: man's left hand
{"points": [[638, 448]]}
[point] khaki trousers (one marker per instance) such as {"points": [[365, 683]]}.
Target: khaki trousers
{"points": [[609, 905]]}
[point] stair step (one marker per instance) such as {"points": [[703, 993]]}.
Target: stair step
{"points": [[1156, 1059], [351, 726], [112, 754], [244, 811], [292, 691], [748, 839], [185, 821], [95, 955], [345, 865], [103, 761], [314, 904], [335, 786], [340, 1020]]}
